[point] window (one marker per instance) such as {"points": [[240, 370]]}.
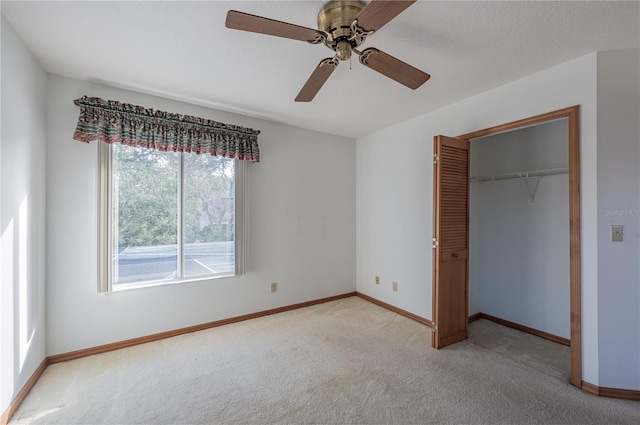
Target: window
{"points": [[168, 217]]}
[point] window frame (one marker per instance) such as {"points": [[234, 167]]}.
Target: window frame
{"points": [[105, 226]]}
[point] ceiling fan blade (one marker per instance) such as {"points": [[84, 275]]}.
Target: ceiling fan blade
{"points": [[319, 76], [393, 68], [378, 12], [252, 23]]}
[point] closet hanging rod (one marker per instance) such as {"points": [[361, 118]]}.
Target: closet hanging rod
{"points": [[521, 175]]}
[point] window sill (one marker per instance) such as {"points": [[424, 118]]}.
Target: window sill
{"points": [[142, 285]]}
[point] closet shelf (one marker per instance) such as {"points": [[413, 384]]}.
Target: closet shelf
{"points": [[520, 175]]}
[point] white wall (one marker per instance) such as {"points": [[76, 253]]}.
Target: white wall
{"points": [[301, 231], [394, 187], [519, 250], [619, 203], [22, 207]]}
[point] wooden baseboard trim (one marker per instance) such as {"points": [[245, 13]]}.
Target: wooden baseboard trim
{"points": [[15, 403], [619, 393], [162, 335], [611, 392], [475, 317], [590, 388], [527, 329], [397, 310]]}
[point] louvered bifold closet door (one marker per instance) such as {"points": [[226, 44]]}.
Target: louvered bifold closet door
{"points": [[451, 240]]}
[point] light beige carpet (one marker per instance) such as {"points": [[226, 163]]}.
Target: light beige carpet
{"points": [[347, 361]]}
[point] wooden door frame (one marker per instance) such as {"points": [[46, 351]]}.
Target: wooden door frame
{"points": [[572, 114]]}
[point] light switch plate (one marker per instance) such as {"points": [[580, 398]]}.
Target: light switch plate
{"points": [[616, 233]]}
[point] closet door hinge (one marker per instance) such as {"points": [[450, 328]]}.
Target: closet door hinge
{"points": [[436, 158], [434, 243]]}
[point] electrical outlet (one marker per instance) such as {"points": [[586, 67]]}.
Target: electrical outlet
{"points": [[274, 287], [377, 280], [394, 286]]}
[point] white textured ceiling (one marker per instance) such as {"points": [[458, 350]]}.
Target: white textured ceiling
{"points": [[182, 50]]}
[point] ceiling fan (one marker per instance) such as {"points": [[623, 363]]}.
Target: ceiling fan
{"points": [[343, 26]]}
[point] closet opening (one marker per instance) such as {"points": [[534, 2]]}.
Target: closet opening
{"points": [[515, 203]]}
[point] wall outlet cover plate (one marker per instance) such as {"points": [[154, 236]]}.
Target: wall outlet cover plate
{"points": [[617, 233]]}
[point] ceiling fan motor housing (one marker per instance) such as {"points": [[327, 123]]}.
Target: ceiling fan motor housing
{"points": [[335, 19]]}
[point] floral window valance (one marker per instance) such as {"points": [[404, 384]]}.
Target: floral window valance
{"points": [[110, 121]]}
